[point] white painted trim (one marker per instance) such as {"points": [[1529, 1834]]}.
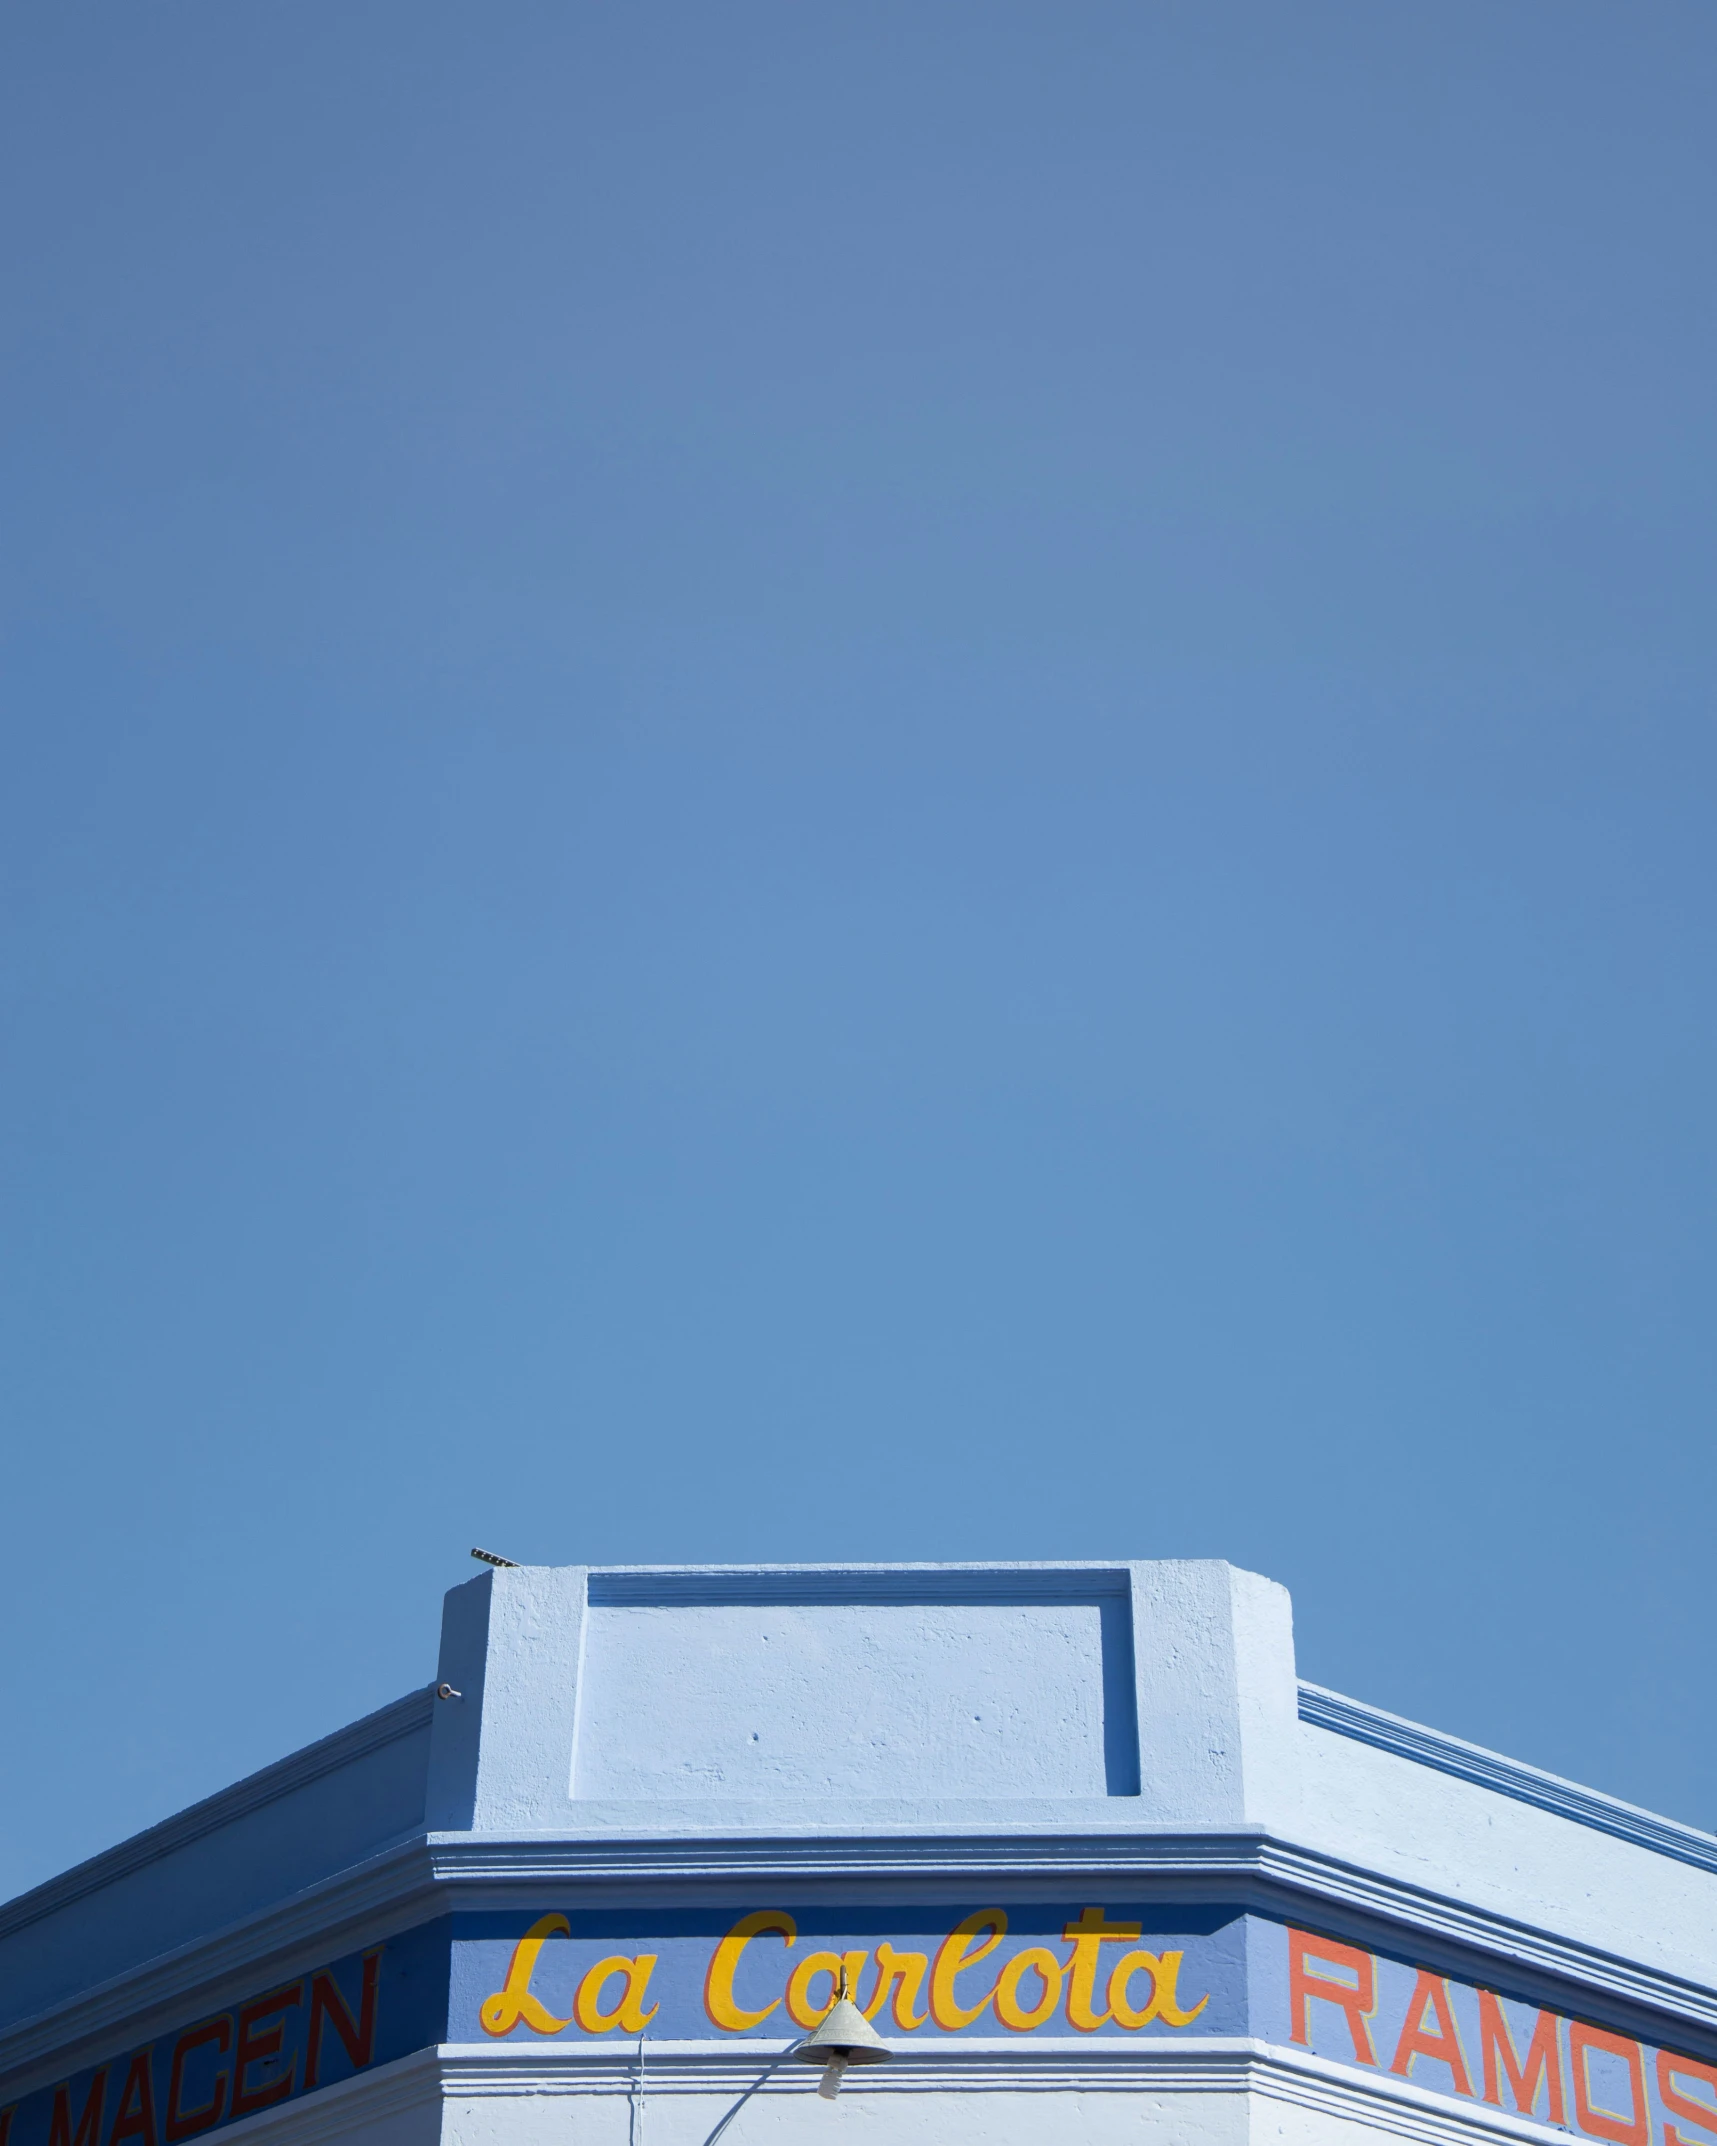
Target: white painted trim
{"points": [[431, 2077], [1342, 1716], [334, 2112], [1038, 2064]]}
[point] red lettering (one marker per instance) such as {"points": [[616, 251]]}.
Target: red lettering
{"points": [[260, 2048], [184, 2123], [88, 2132], [6, 2116], [1444, 2045], [1675, 2103], [326, 2003], [135, 2116], [1543, 2066], [1633, 2129], [1356, 1999]]}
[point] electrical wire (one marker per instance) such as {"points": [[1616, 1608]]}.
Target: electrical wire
{"points": [[746, 2096]]}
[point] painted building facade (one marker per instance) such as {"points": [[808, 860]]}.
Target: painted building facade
{"points": [[1092, 1859]]}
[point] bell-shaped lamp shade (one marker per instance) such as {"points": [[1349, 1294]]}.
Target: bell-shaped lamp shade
{"points": [[844, 2037]]}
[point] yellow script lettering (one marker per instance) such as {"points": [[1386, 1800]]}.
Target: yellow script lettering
{"points": [[1086, 1936], [629, 2013], [1034, 1960], [957, 1952], [718, 1998], [1164, 2004], [904, 1973], [502, 2012], [802, 2008]]}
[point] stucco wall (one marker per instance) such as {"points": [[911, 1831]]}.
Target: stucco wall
{"points": [[1455, 1838]]}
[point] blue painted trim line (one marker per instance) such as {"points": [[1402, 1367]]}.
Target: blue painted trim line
{"points": [[1322, 1709]]}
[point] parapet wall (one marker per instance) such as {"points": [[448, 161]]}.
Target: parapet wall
{"points": [[317, 1812], [789, 1697], [1071, 1829]]}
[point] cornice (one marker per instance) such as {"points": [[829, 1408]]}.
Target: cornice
{"points": [[1248, 1866], [1040, 2062], [1384, 2102], [408, 2085], [462, 1858], [387, 1892], [438, 1873], [1447, 1933], [1342, 1716], [429, 2078], [403, 1717], [1016, 2064]]}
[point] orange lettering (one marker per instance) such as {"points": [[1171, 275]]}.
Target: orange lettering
{"points": [[182, 2123], [135, 2116], [1444, 2045], [1543, 2064], [1357, 1999], [358, 2036], [1633, 2129], [258, 2044], [1675, 2103], [88, 2132]]}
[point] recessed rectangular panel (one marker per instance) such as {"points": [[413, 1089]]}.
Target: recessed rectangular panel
{"points": [[894, 1700]]}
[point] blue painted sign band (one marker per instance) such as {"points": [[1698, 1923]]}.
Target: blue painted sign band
{"points": [[1100, 1969], [1391, 2018], [288, 2040], [1108, 1968]]}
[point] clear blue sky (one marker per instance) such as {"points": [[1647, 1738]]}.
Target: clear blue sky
{"points": [[818, 781]]}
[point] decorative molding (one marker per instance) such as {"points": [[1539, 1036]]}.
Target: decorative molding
{"points": [[552, 1858], [1249, 1868], [444, 1872], [409, 2085], [764, 1586], [1036, 2064], [425, 2081], [1507, 1777], [1439, 1925], [403, 1717], [1384, 2103], [392, 1890], [1041, 2064]]}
